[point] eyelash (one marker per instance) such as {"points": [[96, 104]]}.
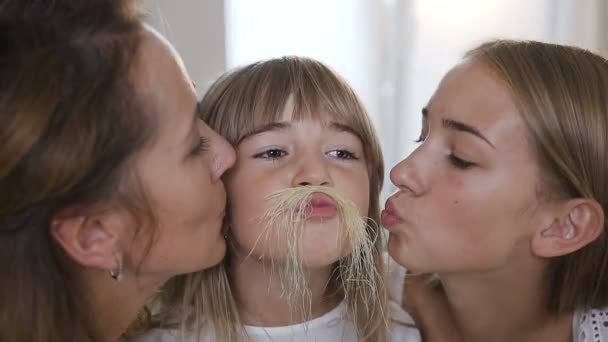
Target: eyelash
{"points": [[201, 147], [423, 134], [346, 155], [460, 163], [456, 161], [267, 154]]}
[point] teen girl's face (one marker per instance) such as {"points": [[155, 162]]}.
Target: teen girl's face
{"points": [[467, 197]]}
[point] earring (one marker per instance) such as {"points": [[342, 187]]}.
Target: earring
{"points": [[116, 274], [227, 227]]}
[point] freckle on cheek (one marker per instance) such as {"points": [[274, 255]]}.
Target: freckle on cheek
{"points": [[456, 202]]}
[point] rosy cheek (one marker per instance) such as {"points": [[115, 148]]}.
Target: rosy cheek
{"points": [[450, 205]]}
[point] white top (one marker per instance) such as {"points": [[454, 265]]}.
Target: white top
{"points": [[330, 327], [591, 325]]}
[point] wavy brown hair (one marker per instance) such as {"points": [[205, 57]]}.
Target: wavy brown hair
{"points": [[71, 122]]}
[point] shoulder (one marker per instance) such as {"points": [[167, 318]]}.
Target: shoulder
{"points": [[591, 325]]}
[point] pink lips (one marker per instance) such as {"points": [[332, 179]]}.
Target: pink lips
{"points": [[320, 206], [389, 216]]}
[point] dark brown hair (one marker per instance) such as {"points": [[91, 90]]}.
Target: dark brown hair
{"points": [[70, 123], [562, 94]]}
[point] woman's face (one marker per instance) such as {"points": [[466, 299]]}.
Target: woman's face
{"points": [[289, 154], [467, 196], [180, 171]]}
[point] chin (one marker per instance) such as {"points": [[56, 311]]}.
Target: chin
{"points": [[213, 255], [315, 258], [396, 251], [324, 243]]}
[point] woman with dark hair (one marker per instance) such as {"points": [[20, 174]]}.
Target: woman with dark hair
{"points": [[110, 182]]}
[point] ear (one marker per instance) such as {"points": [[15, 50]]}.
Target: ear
{"points": [[576, 223], [90, 240]]}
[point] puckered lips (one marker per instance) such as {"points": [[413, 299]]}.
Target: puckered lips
{"points": [[390, 216], [320, 206]]}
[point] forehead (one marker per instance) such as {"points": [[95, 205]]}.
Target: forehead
{"points": [[474, 94], [157, 63], [160, 78]]}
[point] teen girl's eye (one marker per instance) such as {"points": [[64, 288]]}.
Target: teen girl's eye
{"points": [[460, 163], [420, 138], [425, 127], [271, 154], [424, 132], [343, 154], [201, 146]]}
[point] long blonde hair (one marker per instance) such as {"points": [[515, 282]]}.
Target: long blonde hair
{"points": [[235, 104], [562, 95]]}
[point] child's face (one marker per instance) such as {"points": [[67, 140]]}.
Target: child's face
{"points": [[288, 154]]}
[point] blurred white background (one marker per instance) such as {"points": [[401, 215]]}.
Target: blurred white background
{"points": [[393, 52]]}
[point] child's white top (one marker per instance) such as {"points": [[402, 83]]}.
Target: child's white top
{"points": [[331, 327]]}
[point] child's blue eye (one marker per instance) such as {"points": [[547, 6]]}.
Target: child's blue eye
{"points": [[343, 154], [271, 154]]}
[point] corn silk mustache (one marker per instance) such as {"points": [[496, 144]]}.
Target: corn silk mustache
{"points": [[286, 219]]}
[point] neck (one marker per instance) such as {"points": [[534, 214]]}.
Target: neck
{"points": [[260, 297], [508, 304], [117, 304]]}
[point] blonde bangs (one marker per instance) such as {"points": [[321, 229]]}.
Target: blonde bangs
{"points": [[258, 94]]}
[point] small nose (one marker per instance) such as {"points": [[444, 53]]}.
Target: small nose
{"points": [[312, 171], [406, 176], [223, 155]]}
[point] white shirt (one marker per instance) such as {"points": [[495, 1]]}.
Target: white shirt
{"points": [[330, 327], [590, 325]]}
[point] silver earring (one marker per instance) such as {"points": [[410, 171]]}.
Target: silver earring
{"points": [[116, 274]]}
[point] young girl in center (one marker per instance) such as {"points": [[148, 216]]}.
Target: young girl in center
{"points": [[305, 258]]}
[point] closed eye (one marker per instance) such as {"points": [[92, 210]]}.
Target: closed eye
{"points": [[460, 163], [424, 131], [202, 146]]}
